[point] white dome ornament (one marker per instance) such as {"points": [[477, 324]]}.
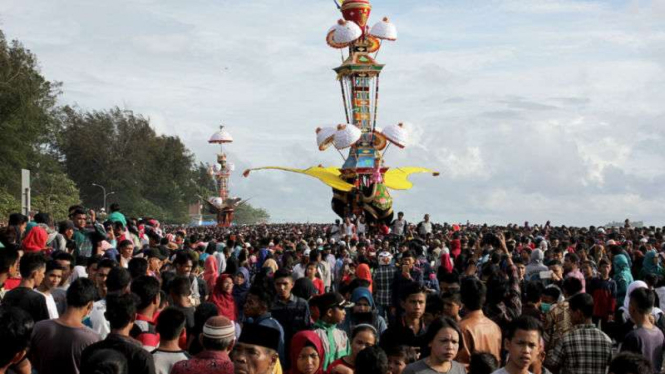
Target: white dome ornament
{"points": [[324, 137], [343, 34], [221, 136], [384, 30], [396, 134], [217, 202], [346, 136]]}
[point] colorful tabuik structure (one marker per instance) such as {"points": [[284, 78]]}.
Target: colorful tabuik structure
{"points": [[360, 186]]}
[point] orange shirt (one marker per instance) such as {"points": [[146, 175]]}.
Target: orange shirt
{"points": [[480, 334]]}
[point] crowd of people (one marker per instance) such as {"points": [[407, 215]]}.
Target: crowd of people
{"points": [[114, 294]]}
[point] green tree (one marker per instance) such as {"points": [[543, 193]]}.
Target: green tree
{"points": [[54, 193], [27, 105], [67, 150], [8, 204], [249, 215], [151, 175], [27, 123]]}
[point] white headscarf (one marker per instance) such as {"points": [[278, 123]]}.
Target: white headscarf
{"points": [[656, 312]]}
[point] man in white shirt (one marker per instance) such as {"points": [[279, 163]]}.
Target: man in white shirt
{"points": [[425, 226], [299, 268], [399, 225], [117, 282], [361, 225], [51, 280], [348, 228]]}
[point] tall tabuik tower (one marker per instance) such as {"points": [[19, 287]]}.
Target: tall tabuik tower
{"points": [[360, 186]]}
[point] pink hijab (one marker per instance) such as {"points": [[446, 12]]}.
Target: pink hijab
{"points": [[445, 262], [210, 272]]}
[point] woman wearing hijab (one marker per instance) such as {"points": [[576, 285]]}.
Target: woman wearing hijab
{"points": [[446, 262], [35, 241], [210, 271], [622, 276], [240, 289], [222, 297], [651, 264], [535, 265], [363, 312], [625, 324], [306, 353], [363, 272], [271, 264]]}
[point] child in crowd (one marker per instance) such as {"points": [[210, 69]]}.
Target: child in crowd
{"points": [[452, 303], [523, 343], [335, 341], [604, 291], [399, 356], [170, 325]]}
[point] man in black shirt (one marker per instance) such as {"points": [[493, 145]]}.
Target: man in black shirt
{"points": [[289, 310], [121, 314], [32, 268]]}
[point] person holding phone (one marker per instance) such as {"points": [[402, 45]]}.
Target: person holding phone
{"points": [[407, 274]]}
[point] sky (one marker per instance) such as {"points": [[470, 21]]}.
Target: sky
{"points": [[531, 110]]}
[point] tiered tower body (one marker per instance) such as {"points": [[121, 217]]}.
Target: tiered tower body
{"points": [[221, 172]]}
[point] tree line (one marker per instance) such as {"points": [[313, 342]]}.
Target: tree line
{"points": [[68, 149]]}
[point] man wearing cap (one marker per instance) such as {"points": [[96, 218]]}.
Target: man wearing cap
{"points": [[335, 341], [155, 261], [218, 338], [299, 269], [256, 351], [382, 283]]}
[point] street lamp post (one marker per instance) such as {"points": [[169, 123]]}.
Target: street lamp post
{"points": [[105, 194]]}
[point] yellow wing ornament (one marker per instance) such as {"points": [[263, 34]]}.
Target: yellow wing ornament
{"points": [[397, 178], [328, 175]]}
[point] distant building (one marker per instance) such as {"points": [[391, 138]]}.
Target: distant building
{"points": [[195, 216], [636, 224]]}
